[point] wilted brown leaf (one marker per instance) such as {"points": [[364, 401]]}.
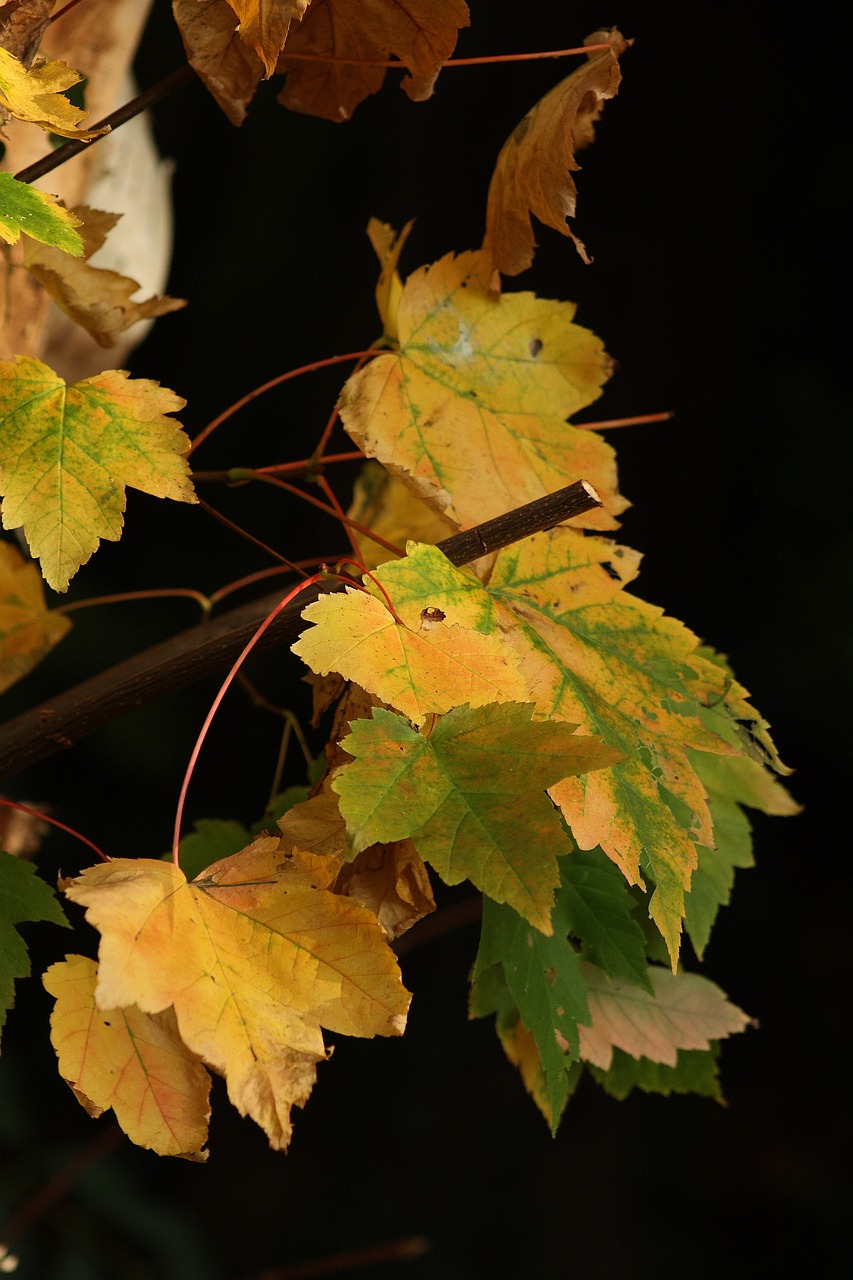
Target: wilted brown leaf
{"points": [[214, 48]]}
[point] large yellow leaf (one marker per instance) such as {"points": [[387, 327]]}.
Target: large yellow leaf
{"points": [[686, 1011], [36, 95], [28, 630], [98, 299], [423, 670], [533, 171], [255, 956], [67, 453], [470, 411], [134, 1062], [264, 25], [421, 33], [214, 48]]}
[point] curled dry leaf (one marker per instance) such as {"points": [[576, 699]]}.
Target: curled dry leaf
{"points": [[264, 25], [22, 25], [533, 171], [224, 62], [421, 33]]}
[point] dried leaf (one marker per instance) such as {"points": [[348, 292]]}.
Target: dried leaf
{"points": [[392, 882], [28, 630], [264, 25], [215, 49], [22, 25], [533, 171]]}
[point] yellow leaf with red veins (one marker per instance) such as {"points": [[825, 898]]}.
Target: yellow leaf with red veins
{"points": [[97, 299], [470, 411], [264, 25], [533, 171], [420, 33], [28, 629], [37, 95], [215, 50], [68, 451], [256, 955], [420, 671], [133, 1062], [686, 1011]]}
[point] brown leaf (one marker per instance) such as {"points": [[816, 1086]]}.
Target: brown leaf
{"points": [[22, 25], [214, 48], [392, 881], [533, 171], [421, 33]]}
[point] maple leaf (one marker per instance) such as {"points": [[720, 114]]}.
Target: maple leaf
{"points": [[264, 25], [421, 33], [470, 795], [219, 55], [22, 208], [383, 504], [686, 1011], [388, 245], [599, 657], [23, 898], [133, 1062], [695, 1071], [98, 299], [255, 957], [533, 171], [470, 411], [36, 95], [597, 907], [28, 630], [67, 453], [420, 672]]}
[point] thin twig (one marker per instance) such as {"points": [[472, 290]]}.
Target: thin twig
{"points": [[334, 1263]]}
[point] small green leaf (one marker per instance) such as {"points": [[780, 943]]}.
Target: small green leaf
{"points": [[598, 906], [36, 214], [695, 1071], [23, 898]]}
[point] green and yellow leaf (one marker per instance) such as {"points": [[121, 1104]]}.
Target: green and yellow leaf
{"points": [[23, 898], [25, 210]]}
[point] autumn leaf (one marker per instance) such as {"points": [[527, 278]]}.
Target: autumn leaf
{"points": [[419, 672], [695, 1071], [217, 52], [36, 95], [383, 504], [22, 25], [388, 245], [533, 171], [95, 298], [470, 795], [67, 453], [470, 411], [686, 1011], [133, 1062], [255, 957], [264, 25], [597, 909], [24, 209], [28, 630], [421, 33], [23, 898]]}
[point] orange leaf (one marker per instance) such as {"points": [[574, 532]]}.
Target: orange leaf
{"points": [[215, 49], [264, 25]]}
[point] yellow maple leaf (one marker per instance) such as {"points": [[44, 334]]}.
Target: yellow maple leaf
{"points": [[28, 630], [533, 171], [67, 453], [421, 33], [382, 503], [134, 1062], [264, 25], [470, 411], [419, 671], [256, 955], [97, 299], [214, 48], [36, 95]]}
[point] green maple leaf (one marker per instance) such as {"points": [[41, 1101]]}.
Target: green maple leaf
{"points": [[67, 453], [695, 1071], [23, 898], [24, 209], [471, 796], [598, 907]]}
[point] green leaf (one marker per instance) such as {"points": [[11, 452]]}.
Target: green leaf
{"points": [[695, 1071], [543, 977], [471, 796], [598, 906], [35, 213], [23, 898]]}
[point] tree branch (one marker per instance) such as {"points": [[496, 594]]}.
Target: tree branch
{"points": [[213, 644]]}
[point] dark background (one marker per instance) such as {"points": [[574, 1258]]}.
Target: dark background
{"points": [[711, 205]]}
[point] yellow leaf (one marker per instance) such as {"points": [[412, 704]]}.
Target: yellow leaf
{"points": [[388, 245], [228, 68], [384, 504], [264, 25], [421, 33], [95, 298], [533, 171], [134, 1062], [67, 453], [470, 412], [36, 95], [423, 671], [255, 956], [28, 630]]}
